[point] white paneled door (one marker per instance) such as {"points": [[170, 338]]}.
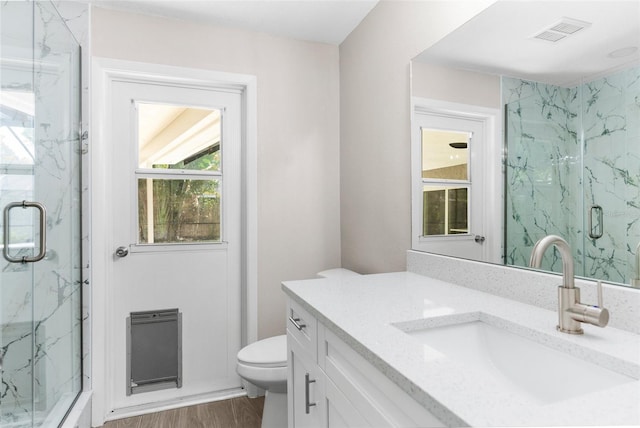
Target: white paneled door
{"points": [[175, 230], [453, 180]]}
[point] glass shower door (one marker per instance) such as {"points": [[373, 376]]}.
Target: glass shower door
{"points": [[543, 163], [561, 139], [609, 113], [40, 276]]}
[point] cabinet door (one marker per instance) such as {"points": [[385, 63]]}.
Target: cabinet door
{"points": [[340, 412], [305, 385], [371, 394]]}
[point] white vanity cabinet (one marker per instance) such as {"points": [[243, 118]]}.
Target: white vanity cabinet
{"points": [[331, 385], [305, 380]]}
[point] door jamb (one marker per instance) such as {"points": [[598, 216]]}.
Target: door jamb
{"points": [[104, 72]]}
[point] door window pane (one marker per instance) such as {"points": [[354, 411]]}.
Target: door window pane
{"points": [[445, 210], [457, 212], [178, 137], [434, 207], [445, 155], [178, 211]]}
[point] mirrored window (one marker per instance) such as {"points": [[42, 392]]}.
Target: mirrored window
{"points": [[445, 210], [445, 154], [446, 182]]}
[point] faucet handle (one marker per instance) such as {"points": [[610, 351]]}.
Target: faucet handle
{"points": [[592, 314], [599, 285]]}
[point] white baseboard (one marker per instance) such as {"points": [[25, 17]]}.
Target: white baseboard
{"points": [[160, 406]]}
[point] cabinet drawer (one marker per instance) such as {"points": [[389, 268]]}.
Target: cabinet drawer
{"points": [[304, 327]]}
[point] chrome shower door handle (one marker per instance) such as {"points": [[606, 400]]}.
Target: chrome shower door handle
{"points": [[43, 232], [596, 231]]}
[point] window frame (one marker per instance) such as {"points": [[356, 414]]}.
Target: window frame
{"points": [[176, 174]]}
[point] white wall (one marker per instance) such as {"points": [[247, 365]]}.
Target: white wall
{"points": [[454, 85], [298, 134], [374, 126]]}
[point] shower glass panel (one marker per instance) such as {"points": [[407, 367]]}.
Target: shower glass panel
{"points": [[40, 301], [559, 140]]}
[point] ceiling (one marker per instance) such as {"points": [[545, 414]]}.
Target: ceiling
{"points": [[325, 21], [500, 40]]}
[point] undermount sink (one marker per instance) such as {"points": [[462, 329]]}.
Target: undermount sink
{"points": [[519, 364]]}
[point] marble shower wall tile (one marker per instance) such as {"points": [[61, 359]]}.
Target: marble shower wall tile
{"points": [[561, 139], [612, 172], [76, 16], [57, 279], [543, 155]]}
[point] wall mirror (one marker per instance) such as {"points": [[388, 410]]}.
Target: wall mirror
{"points": [[564, 79]]}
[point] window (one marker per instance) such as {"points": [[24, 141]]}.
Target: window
{"points": [[445, 182], [179, 174], [17, 160]]}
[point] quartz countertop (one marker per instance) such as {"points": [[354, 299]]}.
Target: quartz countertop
{"points": [[370, 312]]}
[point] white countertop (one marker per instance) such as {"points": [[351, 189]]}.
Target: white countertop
{"points": [[362, 310]]}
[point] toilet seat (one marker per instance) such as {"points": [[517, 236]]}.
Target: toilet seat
{"points": [[266, 353], [262, 376]]}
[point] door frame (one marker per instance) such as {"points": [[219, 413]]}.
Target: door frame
{"points": [[492, 166], [103, 73]]}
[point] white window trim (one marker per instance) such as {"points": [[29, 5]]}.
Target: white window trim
{"points": [[104, 72], [179, 174], [493, 167], [191, 246]]}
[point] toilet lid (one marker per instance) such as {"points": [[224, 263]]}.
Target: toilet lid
{"points": [[271, 352]]}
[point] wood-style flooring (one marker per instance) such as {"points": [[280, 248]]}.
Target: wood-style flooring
{"points": [[241, 412]]}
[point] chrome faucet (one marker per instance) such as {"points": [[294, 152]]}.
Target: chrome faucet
{"points": [[570, 311]]}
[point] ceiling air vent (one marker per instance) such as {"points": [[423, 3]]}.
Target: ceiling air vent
{"points": [[564, 28], [550, 36]]}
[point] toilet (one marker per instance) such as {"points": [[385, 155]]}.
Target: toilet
{"points": [[263, 364]]}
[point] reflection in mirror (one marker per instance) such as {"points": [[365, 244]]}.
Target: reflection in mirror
{"points": [[566, 76], [563, 139], [445, 177], [445, 154]]}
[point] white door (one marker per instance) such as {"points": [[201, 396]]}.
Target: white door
{"points": [[449, 190], [176, 238]]}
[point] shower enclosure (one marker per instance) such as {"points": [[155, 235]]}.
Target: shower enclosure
{"points": [[40, 277], [573, 169]]}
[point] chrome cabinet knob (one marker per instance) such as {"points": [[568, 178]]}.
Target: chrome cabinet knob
{"points": [[122, 251]]}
